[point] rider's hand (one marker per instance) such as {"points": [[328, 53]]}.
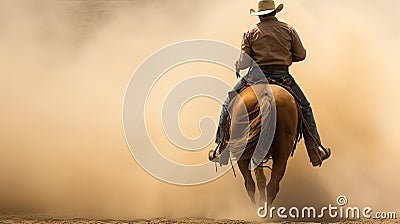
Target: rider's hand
{"points": [[238, 73]]}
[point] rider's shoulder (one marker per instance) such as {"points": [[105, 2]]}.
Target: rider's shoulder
{"points": [[252, 31], [275, 23], [286, 25]]}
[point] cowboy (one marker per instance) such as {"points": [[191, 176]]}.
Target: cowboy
{"points": [[274, 46]]}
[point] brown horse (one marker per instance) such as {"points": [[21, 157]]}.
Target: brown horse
{"points": [[282, 145]]}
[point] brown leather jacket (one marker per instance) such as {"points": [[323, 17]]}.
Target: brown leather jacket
{"points": [[273, 43]]}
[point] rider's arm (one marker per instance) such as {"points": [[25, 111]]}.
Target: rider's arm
{"points": [[298, 51], [244, 60]]}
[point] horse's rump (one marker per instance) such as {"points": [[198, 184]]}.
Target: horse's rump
{"points": [[279, 112]]}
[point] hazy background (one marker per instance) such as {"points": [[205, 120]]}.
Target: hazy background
{"points": [[65, 66]]}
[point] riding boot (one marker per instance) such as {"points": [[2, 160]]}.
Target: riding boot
{"points": [[319, 154], [221, 158], [316, 152]]}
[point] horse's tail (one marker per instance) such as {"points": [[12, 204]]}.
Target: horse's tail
{"points": [[252, 124]]}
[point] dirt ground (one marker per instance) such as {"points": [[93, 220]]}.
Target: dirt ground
{"points": [[12, 219]]}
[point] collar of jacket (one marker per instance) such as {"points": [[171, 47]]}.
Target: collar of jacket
{"points": [[269, 18]]}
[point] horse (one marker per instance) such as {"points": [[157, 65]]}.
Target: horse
{"points": [[283, 143]]}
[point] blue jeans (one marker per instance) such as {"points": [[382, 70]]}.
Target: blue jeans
{"points": [[224, 112], [280, 77]]}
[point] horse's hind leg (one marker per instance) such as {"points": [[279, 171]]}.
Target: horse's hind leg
{"points": [[248, 179], [278, 170], [261, 184]]}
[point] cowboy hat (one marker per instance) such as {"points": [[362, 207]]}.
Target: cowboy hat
{"points": [[265, 7]]}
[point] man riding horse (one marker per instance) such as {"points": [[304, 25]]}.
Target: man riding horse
{"points": [[274, 46]]}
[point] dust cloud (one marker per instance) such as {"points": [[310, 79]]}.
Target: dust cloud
{"points": [[66, 64]]}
